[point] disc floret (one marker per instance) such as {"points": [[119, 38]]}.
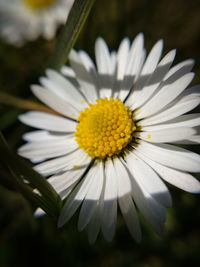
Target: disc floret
{"points": [[105, 128]]}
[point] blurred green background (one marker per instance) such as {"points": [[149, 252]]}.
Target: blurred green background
{"points": [[25, 241]]}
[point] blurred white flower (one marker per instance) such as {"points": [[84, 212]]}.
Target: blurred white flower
{"points": [[26, 20], [114, 141]]}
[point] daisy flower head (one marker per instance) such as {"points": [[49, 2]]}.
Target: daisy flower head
{"points": [[115, 135], [26, 20]]}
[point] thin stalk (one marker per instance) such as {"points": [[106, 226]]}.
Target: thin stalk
{"points": [[21, 169], [28, 193], [77, 17], [17, 102]]}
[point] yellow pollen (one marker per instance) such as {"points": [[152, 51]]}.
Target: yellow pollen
{"points": [[37, 4], [104, 128], [76, 166]]}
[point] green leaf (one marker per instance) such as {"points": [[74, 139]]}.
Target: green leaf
{"points": [[76, 19], [48, 199]]}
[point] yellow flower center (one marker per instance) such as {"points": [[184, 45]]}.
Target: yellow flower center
{"points": [[105, 128], [37, 4]]}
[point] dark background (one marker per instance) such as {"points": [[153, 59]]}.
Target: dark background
{"points": [[25, 241]]}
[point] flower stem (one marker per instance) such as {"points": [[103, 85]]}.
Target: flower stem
{"points": [[48, 198], [17, 102], [77, 17]]}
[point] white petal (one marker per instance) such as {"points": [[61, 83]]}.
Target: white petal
{"points": [[148, 207], [194, 139], [64, 89], [42, 150], [41, 135], [187, 101], [122, 57], [182, 180], [171, 156], [110, 202], [124, 191], [133, 67], [180, 69], [85, 79], [148, 179], [123, 180], [75, 199], [153, 58], [166, 135], [64, 183], [104, 67], [102, 55], [122, 61], [95, 222], [105, 91], [188, 120], [69, 74], [109, 231], [38, 213], [113, 61], [155, 80], [110, 181], [56, 87], [167, 94], [153, 208], [47, 121], [91, 68], [54, 101], [135, 57], [72, 160], [67, 71], [87, 61], [92, 196], [114, 83], [129, 213], [147, 71]]}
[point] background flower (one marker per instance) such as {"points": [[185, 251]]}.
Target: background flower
{"points": [[26, 20]]}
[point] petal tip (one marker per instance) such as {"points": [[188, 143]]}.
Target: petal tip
{"points": [[60, 222]]}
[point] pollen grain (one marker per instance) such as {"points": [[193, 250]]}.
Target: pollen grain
{"points": [[105, 128], [37, 4]]}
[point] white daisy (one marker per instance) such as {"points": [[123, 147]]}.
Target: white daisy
{"points": [[110, 143], [22, 20]]}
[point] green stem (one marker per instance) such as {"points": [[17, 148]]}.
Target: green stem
{"points": [[77, 17], [17, 102], [19, 167], [30, 195]]}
